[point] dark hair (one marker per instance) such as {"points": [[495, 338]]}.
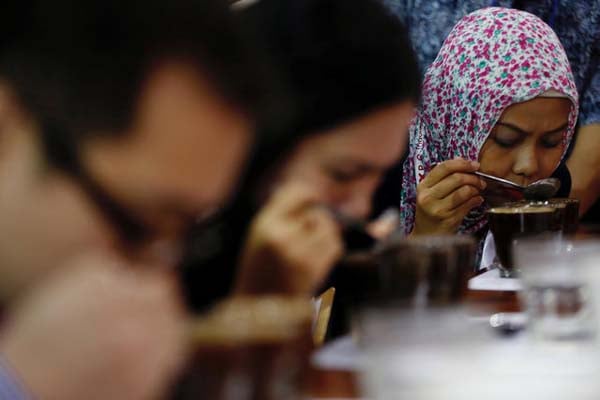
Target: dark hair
{"points": [[342, 58], [80, 64]]}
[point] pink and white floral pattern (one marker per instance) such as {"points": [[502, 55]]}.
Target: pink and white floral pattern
{"points": [[493, 58]]}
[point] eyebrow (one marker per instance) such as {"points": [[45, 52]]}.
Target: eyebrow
{"points": [[524, 132]]}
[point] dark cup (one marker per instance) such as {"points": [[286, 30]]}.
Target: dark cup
{"points": [[568, 211], [424, 271], [509, 223], [250, 349]]}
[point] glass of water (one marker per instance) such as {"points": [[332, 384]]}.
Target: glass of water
{"points": [[558, 287], [418, 354]]}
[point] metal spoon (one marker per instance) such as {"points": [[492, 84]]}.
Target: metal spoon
{"points": [[542, 189]]}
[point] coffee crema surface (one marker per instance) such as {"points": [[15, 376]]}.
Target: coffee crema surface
{"points": [[525, 209]]}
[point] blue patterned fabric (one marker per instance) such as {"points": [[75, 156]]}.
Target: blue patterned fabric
{"points": [[10, 387], [576, 22]]}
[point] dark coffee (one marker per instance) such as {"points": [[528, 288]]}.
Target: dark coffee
{"points": [[426, 270], [568, 212], [256, 371], [510, 223], [250, 349], [358, 275]]}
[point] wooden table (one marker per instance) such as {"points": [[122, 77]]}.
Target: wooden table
{"points": [[344, 384], [333, 384]]}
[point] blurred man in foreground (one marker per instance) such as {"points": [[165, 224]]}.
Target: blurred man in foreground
{"points": [[121, 122]]}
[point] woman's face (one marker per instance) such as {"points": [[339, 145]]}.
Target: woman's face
{"points": [[345, 164], [526, 144]]}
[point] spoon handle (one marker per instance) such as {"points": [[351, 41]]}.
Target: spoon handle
{"points": [[502, 181]]}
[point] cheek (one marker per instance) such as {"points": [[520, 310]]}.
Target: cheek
{"points": [[44, 231], [223, 172], [549, 160], [83, 226], [340, 193]]}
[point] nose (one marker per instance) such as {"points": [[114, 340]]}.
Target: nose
{"points": [[357, 203], [357, 208], [526, 162]]}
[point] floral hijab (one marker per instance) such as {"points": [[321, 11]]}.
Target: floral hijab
{"points": [[493, 58]]}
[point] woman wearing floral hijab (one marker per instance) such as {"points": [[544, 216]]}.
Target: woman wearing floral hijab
{"points": [[499, 98]]}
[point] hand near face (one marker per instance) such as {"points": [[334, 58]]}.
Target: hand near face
{"points": [[385, 224], [291, 246], [97, 331], [446, 195]]}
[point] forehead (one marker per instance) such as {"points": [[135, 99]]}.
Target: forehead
{"points": [[378, 138], [538, 115]]}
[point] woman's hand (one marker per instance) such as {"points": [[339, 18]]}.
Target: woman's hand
{"points": [[385, 224], [292, 245], [446, 195]]}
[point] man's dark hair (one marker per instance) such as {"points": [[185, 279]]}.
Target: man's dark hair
{"points": [[80, 64], [343, 58], [78, 68]]}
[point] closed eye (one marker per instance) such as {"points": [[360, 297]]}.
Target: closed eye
{"points": [[348, 171], [343, 176], [552, 140], [507, 138], [506, 143]]}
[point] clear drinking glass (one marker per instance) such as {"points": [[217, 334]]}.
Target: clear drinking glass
{"points": [[444, 354], [558, 291], [438, 351], [419, 354]]}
